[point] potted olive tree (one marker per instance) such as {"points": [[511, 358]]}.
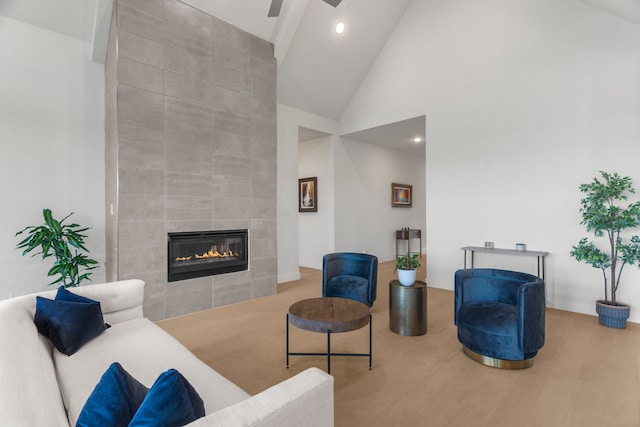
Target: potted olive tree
{"points": [[604, 215], [63, 241], [406, 266]]}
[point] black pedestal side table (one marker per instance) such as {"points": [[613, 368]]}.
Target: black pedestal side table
{"points": [[408, 308]]}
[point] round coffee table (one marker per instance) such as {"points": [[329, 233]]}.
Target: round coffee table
{"points": [[329, 315]]}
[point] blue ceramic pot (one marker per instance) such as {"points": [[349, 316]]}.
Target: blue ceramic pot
{"points": [[613, 316]]}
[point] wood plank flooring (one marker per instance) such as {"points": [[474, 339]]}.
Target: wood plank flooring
{"points": [[586, 375]]}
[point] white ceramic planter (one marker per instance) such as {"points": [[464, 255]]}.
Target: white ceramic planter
{"points": [[407, 277]]}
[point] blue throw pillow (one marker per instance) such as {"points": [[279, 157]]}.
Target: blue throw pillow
{"points": [[70, 321], [171, 402], [64, 294], [113, 401]]}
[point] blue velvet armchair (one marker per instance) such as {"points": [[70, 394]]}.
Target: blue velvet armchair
{"points": [[350, 275], [500, 316]]}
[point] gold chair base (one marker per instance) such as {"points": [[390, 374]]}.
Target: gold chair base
{"points": [[497, 363]]}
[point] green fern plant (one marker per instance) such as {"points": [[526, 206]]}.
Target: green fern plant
{"points": [[63, 241]]}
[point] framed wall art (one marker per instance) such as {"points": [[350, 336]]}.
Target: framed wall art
{"points": [[308, 194], [401, 195]]}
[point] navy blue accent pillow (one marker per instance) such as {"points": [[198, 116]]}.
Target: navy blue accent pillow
{"points": [[171, 402], [70, 321], [113, 401], [64, 294]]}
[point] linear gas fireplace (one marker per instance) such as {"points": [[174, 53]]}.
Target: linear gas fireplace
{"points": [[206, 253]]}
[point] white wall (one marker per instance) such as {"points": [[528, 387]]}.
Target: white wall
{"points": [[52, 133], [365, 220], [317, 229], [354, 195], [289, 119], [524, 101]]}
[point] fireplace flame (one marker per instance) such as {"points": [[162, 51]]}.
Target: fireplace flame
{"points": [[211, 253]]}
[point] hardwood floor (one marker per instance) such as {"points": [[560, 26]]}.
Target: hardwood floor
{"points": [[586, 374]]}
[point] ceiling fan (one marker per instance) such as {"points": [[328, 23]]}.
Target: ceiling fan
{"points": [[276, 5]]}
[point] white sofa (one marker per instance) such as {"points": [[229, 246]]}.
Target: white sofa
{"points": [[39, 386]]}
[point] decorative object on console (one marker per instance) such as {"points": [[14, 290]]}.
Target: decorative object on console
{"points": [[603, 215], [66, 243], [521, 247], [500, 316], [406, 266], [401, 195], [308, 194]]}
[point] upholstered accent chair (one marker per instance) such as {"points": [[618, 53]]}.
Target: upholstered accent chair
{"points": [[350, 275], [500, 316]]}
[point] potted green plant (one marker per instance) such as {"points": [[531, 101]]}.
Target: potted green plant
{"points": [[63, 241], [406, 266], [605, 216]]}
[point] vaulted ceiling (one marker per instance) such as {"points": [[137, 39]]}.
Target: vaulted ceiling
{"points": [[319, 71]]}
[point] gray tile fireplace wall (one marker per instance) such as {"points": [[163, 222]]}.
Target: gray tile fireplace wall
{"points": [[191, 146]]}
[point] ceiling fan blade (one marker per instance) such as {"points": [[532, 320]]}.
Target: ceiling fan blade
{"points": [[274, 10], [333, 3]]}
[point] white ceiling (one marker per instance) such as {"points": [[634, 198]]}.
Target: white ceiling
{"points": [[322, 70], [627, 9], [398, 136], [319, 71], [73, 18], [248, 15], [307, 134]]}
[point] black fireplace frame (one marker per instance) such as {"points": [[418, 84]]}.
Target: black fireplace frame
{"points": [[240, 264]]}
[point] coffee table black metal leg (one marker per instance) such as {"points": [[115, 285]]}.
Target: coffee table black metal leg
{"points": [[329, 352], [370, 345]]}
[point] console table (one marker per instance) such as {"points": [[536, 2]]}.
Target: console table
{"points": [[540, 255], [408, 234]]}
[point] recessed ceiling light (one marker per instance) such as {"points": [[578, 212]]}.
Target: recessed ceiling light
{"points": [[340, 27], [417, 139]]}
